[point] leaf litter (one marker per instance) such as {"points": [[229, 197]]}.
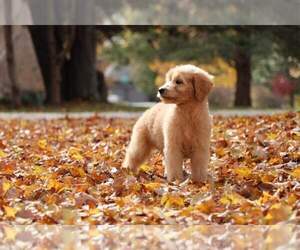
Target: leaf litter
{"points": [[68, 171]]}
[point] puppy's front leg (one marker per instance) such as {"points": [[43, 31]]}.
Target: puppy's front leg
{"points": [[200, 160], [173, 160]]}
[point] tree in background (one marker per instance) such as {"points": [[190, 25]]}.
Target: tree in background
{"points": [[237, 45], [66, 54], [67, 57], [242, 62], [10, 54], [54, 68], [288, 37]]}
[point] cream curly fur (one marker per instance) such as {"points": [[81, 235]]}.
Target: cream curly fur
{"points": [[179, 126]]}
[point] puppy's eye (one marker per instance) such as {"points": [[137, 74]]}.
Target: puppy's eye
{"points": [[178, 81]]}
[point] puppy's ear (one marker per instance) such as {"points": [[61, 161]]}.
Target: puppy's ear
{"points": [[202, 85]]}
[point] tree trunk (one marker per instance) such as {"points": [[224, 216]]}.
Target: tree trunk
{"points": [[79, 73], [77, 66], [45, 45], [102, 87], [11, 67], [242, 61], [54, 68], [40, 42], [10, 54]]}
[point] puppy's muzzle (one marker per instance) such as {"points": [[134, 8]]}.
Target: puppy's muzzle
{"points": [[162, 91]]}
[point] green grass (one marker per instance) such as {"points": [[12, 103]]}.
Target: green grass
{"points": [[74, 107]]}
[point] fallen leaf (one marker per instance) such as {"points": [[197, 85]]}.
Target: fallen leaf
{"points": [[75, 154], [172, 200], [296, 173], [42, 144], [10, 233], [6, 185], [232, 198], [2, 154], [145, 168], [152, 186], [10, 212], [242, 171], [278, 212]]}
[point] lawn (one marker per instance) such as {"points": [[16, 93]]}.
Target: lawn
{"points": [[78, 106], [67, 171]]}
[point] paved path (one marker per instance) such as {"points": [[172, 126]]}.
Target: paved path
{"points": [[57, 115]]}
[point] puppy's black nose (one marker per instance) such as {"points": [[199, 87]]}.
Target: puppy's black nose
{"points": [[162, 90]]}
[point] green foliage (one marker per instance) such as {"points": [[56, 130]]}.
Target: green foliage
{"points": [[268, 47], [134, 49], [264, 67], [144, 78]]}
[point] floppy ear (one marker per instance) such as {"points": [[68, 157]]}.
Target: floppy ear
{"points": [[202, 86]]}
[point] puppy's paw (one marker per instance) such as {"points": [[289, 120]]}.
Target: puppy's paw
{"points": [[172, 178], [127, 167], [199, 178]]}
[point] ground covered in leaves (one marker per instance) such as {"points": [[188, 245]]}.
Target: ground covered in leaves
{"points": [[67, 171]]}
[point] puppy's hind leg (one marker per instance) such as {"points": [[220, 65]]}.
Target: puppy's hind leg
{"points": [[138, 150]]}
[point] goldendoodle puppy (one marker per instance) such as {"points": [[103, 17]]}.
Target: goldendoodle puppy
{"points": [[179, 126]]}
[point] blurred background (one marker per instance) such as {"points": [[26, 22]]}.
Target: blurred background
{"points": [[53, 66]]}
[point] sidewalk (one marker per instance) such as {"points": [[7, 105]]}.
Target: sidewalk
{"points": [[121, 114]]}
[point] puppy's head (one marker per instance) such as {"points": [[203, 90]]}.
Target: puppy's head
{"points": [[185, 83]]}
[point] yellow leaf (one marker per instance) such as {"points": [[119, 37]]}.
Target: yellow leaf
{"points": [[296, 173], [172, 200], [38, 170], [187, 211], [109, 129], [220, 152], [52, 183], [145, 168], [152, 186], [10, 211], [74, 153], [42, 144], [272, 136], [232, 199], [242, 171], [265, 197], [2, 154], [30, 190], [10, 233], [277, 213], [121, 201], [296, 135], [94, 211], [6, 185], [291, 199]]}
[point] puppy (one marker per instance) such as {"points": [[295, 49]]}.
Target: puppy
{"points": [[179, 126]]}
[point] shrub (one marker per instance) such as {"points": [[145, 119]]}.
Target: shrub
{"points": [[263, 97], [221, 97]]}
